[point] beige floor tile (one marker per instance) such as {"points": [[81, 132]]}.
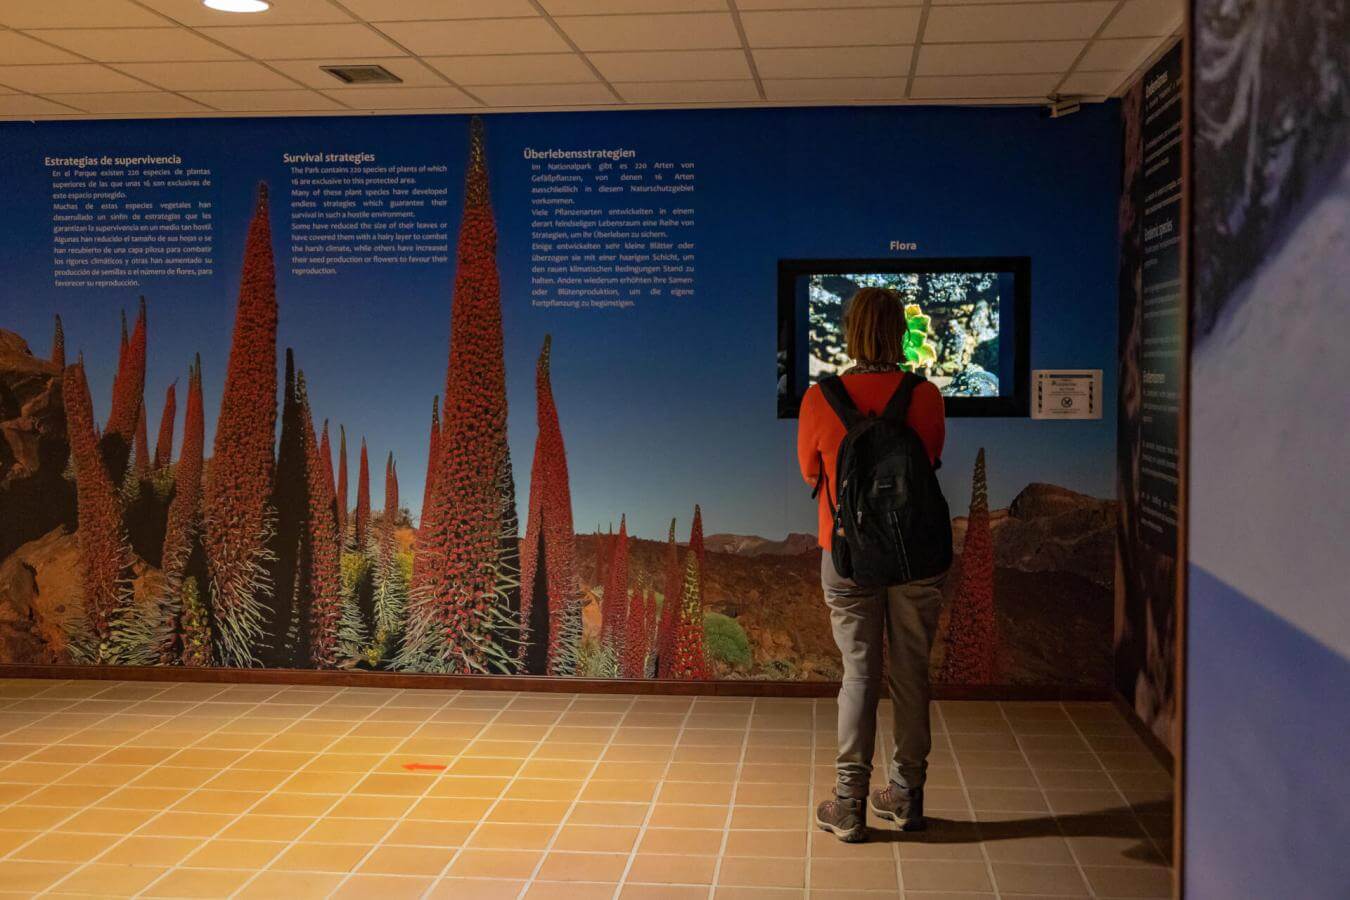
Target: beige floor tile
{"points": [[150, 851], [509, 864], [585, 813], [59, 846], [456, 888], [272, 885], [603, 867], [385, 887], [945, 875], [464, 786], [772, 817], [772, 844], [763, 872], [534, 812], [569, 890], [450, 809], [348, 831], [370, 805], [37, 818], [391, 860], [1099, 850], [1129, 881], [681, 840], [429, 834], [230, 854], [1024, 878], [857, 874], [31, 877], [668, 815], [185, 824], [632, 891], [198, 883], [619, 791], [256, 827], [110, 880], [307, 857], [232, 802], [660, 868], [596, 838], [510, 836], [543, 789]]}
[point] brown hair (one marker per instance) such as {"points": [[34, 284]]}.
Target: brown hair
{"points": [[874, 326]]}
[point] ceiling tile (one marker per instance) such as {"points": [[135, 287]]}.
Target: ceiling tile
{"points": [[308, 73], [266, 101], [1115, 55], [22, 106], [444, 97], [131, 103], [1015, 22], [518, 68], [58, 79], [137, 44], [411, 10], [209, 76], [678, 31], [546, 95], [974, 87], [820, 28], [1092, 84], [840, 89], [1146, 18], [673, 65], [688, 91], [75, 14], [305, 41], [600, 7], [831, 62], [282, 12], [17, 50], [477, 36], [998, 59]]}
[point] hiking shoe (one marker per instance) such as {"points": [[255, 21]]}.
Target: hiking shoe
{"points": [[903, 806], [843, 817]]}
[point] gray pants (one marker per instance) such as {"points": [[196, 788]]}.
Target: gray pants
{"points": [[906, 617]]}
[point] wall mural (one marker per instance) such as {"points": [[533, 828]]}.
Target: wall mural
{"points": [[562, 533]]}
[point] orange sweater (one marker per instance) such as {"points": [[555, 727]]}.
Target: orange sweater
{"points": [[819, 431]]}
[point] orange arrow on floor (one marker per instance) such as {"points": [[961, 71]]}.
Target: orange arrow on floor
{"points": [[423, 767]]}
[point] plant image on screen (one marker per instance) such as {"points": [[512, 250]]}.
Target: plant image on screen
{"points": [[952, 321]]}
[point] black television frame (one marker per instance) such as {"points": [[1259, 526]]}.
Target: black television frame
{"points": [[1014, 405]]}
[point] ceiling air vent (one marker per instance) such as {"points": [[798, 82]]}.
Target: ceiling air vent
{"points": [[362, 74]]}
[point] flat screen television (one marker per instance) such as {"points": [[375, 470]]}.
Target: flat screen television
{"points": [[968, 322]]}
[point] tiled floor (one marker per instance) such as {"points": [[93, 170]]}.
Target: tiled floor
{"points": [[193, 790]]}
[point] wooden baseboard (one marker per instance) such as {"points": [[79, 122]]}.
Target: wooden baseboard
{"points": [[529, 683]]}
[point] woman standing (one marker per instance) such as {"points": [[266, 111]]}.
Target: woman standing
{"points": [[903, 616]]}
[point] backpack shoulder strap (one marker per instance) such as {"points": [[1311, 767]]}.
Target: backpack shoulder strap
{"points": [[837, 396], [897, 408]]}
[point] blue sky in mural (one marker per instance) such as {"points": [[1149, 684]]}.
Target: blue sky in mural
{"points": [[665, 405]]}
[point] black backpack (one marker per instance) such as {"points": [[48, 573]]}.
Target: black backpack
{"points": [[892, 525]]}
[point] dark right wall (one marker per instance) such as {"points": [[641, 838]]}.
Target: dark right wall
{"points": [[1267, 693]]}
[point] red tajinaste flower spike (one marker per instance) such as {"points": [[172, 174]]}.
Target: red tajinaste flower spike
{"points": [[185, 507], [550, 540], [670, 608], [325, 576], [433, 445], [689, 663], [468, 567], [390, 488], [326, 455], [633, 658], [614, 603], [341, 500], [105, 555], [128, 394], [59, 345], [237, 516], [141, 459], [184, 528], [972, 642], [362, 525], [164, 442]]}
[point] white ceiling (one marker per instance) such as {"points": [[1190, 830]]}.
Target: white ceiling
{"points": [[111, 58]]}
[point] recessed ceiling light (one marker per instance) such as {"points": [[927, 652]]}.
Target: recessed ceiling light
{"points": [[237, 6]]}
